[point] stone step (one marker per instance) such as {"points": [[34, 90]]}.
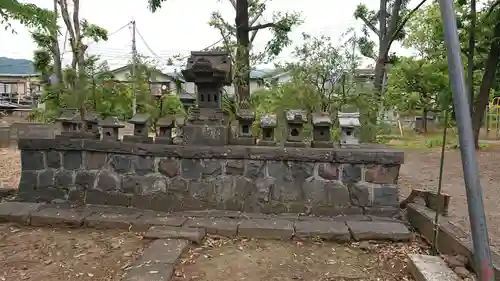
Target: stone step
{"points": [[195, 235], [430, 268]]}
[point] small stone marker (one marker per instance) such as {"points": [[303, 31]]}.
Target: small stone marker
{"points": [[162, 232], [430, 268]]}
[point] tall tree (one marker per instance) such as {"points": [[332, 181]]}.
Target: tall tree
{"points": [[78, 29], [391, 18]]}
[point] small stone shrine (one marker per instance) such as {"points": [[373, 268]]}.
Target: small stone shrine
{"points": [[141, 122], [207, 125], [295, 120], [322, 124], [196, 165], [349, 122]]}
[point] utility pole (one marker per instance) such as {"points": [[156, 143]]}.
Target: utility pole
{"points": [[480, 241], [134, 63]]}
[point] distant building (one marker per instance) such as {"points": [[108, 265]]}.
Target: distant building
{"points": [[20, 90]]}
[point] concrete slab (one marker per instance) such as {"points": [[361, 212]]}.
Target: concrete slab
{"points": [[195, 235], [18, 212], [328, 230], [379, 230], [163, 251], [266, 229], [222, 227], [59, 217], [430, 268]]}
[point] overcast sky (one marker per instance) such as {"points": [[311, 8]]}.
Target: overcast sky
{"points": [[181, 26]]}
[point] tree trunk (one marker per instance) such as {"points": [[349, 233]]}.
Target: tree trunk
{"points": [[242, 76], [424, 121], [470, 55], [487, 82]]}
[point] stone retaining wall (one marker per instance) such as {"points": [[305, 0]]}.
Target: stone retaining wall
{"points": [[174, 178]]}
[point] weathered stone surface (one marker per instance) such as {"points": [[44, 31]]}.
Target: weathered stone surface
{"points": [[223, 227], [59, 217], [85, 179], [53, 159], [235, 167], [18, 211], [32, 160], [195, 235], [148, 272], [329, 230], [328, 171], [121, 163], [338, 155], [111, 220], [386, 195], [164, 251], [267, 229], [382, 174], [214, 135], [192, 168], [326, 193], [351, 173], [95, 160], [99, 197], [143, 165], [64, 178], [108, 181], [144, 222], [72, 160], [254, 169], [169, 167], [379, 230], [430, 268], [361, 193], [46, 179]]}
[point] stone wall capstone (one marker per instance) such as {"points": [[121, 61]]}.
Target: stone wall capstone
{"points": [[318, 181]]}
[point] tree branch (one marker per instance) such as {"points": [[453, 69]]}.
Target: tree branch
{"points": [[262, 26], [254, 34], [370, 26], [233, 2]]}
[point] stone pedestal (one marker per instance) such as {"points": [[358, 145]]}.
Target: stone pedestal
{"points": [[206, 135]]}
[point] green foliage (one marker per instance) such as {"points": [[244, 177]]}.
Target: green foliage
{"points": [[29, 15]]}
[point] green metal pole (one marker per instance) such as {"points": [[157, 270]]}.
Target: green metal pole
{"points": [[440, 185]]}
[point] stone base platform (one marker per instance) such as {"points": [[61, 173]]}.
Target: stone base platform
{"points": [[224, 223], [171, 233]]}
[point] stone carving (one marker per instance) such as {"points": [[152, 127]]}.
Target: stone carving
{"points": [[110, 126], [322, 124], [295, 120], [92, 123], [349, 122], [207, 125], [267, 125]]}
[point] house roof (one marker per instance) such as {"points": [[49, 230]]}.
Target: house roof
{"points": [[18, 75], [125, 67]]}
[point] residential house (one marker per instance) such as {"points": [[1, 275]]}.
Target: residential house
{"points": [[364, 78], [159, 82], [19, 90]]}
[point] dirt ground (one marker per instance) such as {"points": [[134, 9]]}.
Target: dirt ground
{"points": [[61, 255], [10, 168], [421, 170], [255, 260]]}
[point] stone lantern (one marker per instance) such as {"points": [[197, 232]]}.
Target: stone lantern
{"points": [[110, 128], [245, 119], [70, 124], [322, 124], [295, 120], [349, 123], [92, 125], [141, 129], [267, 125], [207, 125], [165, 125]]}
